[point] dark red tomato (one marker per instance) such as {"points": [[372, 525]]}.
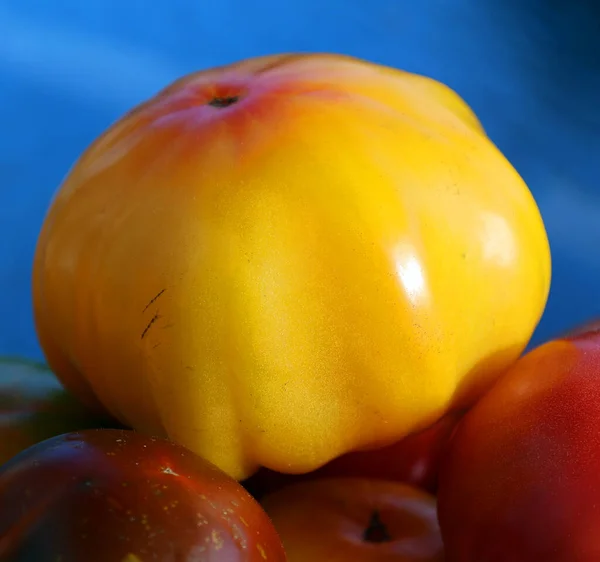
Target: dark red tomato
{"points": [[413, 460], [118, 496]]}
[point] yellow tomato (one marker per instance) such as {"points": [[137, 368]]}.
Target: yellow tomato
{"points": [[288, 258]]}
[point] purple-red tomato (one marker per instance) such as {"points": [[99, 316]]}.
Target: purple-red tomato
{"points": [[118, 496]]}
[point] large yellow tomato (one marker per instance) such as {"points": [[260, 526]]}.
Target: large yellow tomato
{"points": [[285, 259]]}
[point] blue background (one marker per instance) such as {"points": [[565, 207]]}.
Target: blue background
{"points": [[530, 69]]}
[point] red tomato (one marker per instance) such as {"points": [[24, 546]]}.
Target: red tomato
{"points": [[116, 495], [413, 460], [520, 482], [355, 519]]}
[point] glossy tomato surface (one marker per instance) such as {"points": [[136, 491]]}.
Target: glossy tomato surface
{"points": [[355, 519], [119, 496], [520, 481]]}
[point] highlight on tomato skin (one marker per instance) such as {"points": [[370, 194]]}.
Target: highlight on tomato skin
{"points": [[520, 478], [340, 519], [116, 495]]}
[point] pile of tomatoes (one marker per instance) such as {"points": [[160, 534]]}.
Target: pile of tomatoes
{"points": [[514, 478], [284, 306]]}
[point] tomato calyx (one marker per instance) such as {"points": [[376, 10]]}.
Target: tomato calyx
{"points": [[224, 101], [376, 531]]}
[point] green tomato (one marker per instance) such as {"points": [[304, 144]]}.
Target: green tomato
{"points": [[34, 406]]}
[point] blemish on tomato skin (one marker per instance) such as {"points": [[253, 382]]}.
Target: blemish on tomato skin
{"points": [[261, 550], [217, 540], [238, 537]]}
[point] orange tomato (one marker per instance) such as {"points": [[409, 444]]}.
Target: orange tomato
{"points": [[355, 519]]}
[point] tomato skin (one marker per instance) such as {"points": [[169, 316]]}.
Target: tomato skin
{"points": [[357, 519], [35, 406], [414, 460], [520, 479], [116, 495], [289, 258]]}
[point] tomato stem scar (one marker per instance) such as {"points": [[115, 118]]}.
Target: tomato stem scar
{"points": [[376, 530]]}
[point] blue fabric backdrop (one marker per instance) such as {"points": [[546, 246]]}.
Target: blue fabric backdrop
{"points": [[68, 68]]}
